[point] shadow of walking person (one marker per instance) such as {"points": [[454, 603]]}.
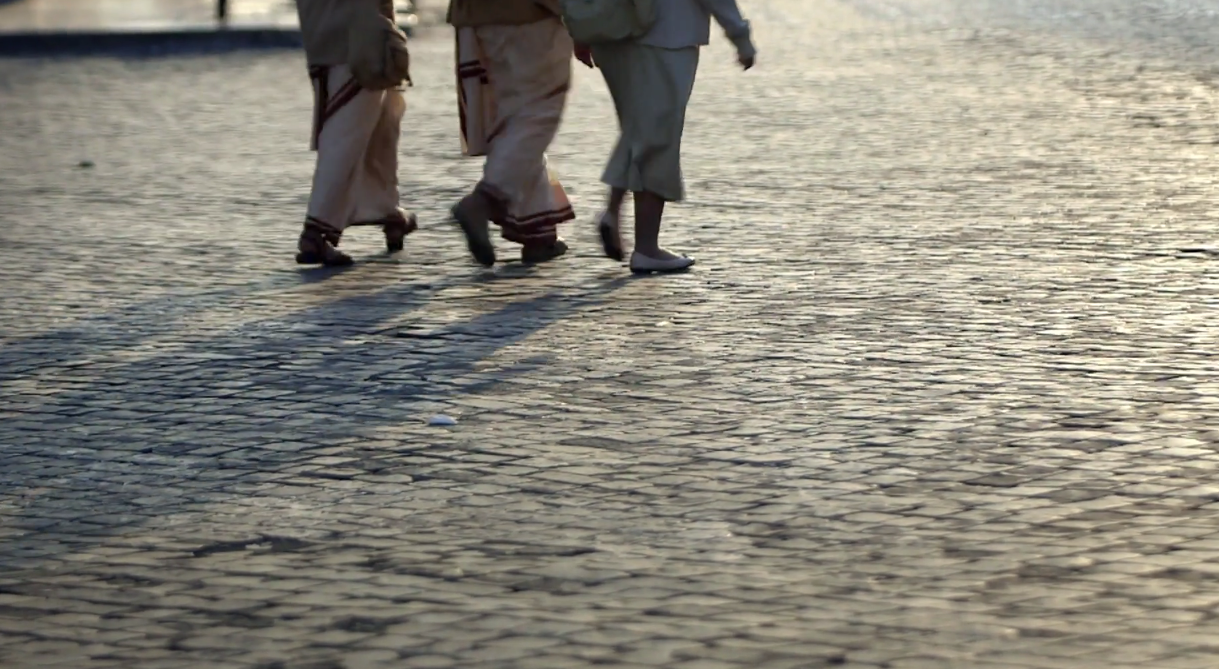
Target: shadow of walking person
{"points": [[120, 446]]}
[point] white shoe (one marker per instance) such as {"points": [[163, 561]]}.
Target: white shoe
{"points": [[641, 264]]}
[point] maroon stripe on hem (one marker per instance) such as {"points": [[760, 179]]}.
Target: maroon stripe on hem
{"points": [[567, 213]]}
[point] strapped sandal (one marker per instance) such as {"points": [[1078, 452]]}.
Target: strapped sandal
{"points": [[396, 227], [315, 247], [532, 255]]}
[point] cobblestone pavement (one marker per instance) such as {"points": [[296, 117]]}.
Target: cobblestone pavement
{"points": [[1180, 28], [942, 392], [92, 15], [124, 15]]}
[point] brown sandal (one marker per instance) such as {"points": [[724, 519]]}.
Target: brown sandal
{"points": [[397, 229], [315, 247]]}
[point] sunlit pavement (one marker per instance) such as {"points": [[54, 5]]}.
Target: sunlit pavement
{"points": [[142, 15], [941, 392], [56, 15]]}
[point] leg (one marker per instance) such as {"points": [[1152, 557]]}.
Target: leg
{"points": [[377, 196], [529, 73], [529, 70], [376, 192], [651, 88], [649, 257], [650, 94], [475, 106], [609, 225], [616, 198], [649, 209], [533, 221], [349, 123]]}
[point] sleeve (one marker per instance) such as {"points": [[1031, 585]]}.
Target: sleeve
{"points": [[736, 28]]}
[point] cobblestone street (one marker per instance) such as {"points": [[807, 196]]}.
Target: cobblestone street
{"points": [[942, 392]]}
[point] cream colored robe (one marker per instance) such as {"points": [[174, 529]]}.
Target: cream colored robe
{"points": [[512, 83]]}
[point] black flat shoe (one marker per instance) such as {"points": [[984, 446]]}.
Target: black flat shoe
{"points": [[611, 236]]}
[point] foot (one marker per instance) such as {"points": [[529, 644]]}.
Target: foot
{"points": [[473, 214], [538, 254], [397, 228], [659, 262], [314, 248], [611, 235]]}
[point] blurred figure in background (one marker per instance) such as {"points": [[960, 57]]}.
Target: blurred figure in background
{"points": [[356, 124], [651, 79], [513, 73]]}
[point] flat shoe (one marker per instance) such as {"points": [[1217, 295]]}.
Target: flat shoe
{"points": [[641, 264], [611, 236]]}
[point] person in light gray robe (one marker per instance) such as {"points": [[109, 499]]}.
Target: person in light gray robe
{"points": [[651, 80]]}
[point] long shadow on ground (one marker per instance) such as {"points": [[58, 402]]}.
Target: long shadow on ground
{"points": [[127, 442]]}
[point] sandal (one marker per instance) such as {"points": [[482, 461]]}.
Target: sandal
{"points": [[396, 227], [315, 248]]}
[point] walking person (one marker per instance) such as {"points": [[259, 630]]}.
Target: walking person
{"points": [[358, 63], [650, 79], [513, 74]]}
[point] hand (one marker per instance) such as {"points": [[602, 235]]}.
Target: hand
{"points": [[746, 52], [584, 54]]}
